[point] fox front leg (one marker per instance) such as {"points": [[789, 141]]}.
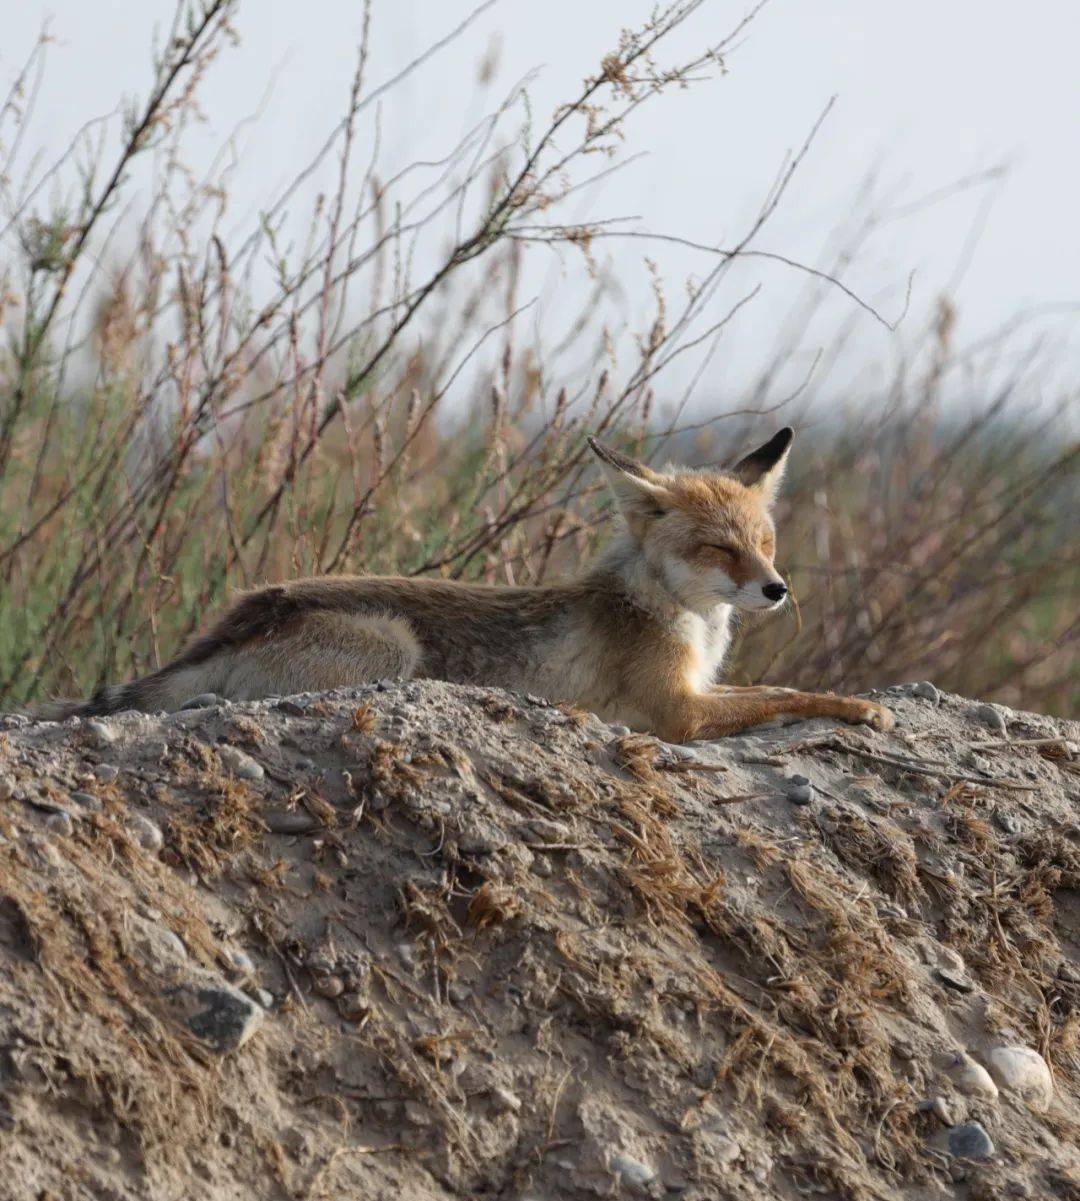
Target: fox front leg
{"points": [[716, 714]]}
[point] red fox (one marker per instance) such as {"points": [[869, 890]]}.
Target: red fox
{"points": [[638, 638]]}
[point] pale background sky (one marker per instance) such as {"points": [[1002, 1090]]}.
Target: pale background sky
{"points": [[928, 94]]}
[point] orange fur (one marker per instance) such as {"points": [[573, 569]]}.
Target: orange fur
{"points": [[639, 638]]}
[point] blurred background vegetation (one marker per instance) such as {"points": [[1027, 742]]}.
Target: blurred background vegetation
{"points": [[185, 412]]}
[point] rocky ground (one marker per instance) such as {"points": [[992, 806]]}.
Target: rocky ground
{"points": [[419, 941]]}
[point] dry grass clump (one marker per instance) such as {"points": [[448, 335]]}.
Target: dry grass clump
{"points": [[174, 425], [75, 961]]}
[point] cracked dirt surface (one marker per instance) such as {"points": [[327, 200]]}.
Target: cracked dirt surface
{"points": [[420, 941]]}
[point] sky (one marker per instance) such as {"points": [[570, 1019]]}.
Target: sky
{"points": [[931, 100]]}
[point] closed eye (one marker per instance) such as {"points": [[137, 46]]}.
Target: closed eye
{"points": [[727, 550]]}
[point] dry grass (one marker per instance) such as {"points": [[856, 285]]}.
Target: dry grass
{"points": [[173, 426]]}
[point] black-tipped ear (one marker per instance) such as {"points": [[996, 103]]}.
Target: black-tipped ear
{"points": [[639, 491], [763, 468]]}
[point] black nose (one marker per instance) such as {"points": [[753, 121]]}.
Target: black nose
{"points": [[774, 592]]}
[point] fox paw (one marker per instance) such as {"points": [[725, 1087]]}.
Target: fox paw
{"points": [[867, 713]]}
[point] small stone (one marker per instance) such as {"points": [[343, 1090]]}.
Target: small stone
{"points": [[619, 731], [504, 1100], [720, 1150], [264, 996], [147, 833], [292, 707], [939, 1107], [87, 800], [951, 959], [954, 980], [903, 1050], [240, 962], [60, 824], [1007, 822], [107, 773], [799, 790], [927, 692], [1023, 1071], [240, 763], [7, 788], [970, 1141], [632, 1172], [384, 685], [328, 985], [354, 1005], [224, 1019], [289, 821], [1068, 972], [991, 717], [460, 993], [972, 1079], [205, 700], [99, 732]]}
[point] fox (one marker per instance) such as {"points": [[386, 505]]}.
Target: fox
{"points": [[637, 638]]}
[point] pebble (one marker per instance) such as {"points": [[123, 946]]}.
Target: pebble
{"points": [[384, 685], [264, 996], [1007, 822], [504, 1100], [632, 1172], [60, 824], [951, 959], [990, 716], [225, 1019], [328, 985], [147, 833], [972, 1079], [954, 980], [799, 790], [619, 731], [87, 800], [720, 1149], [1023, 1071], [240, 763], [100, 733], [205, 700], [291, 707], [289, 821], [1069, 972], [240, 962], [939, 1107], [927, 692], [7, 788], [353, 1006], [970, 1141], [684, 754], [107, 773]]}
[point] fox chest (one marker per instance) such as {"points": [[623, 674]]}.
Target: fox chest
{"points": [[707, 641]]}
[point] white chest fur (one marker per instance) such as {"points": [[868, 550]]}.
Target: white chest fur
{"points": [[708, 639]]}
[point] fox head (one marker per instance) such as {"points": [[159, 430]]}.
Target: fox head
{"points": [[708, 536]]}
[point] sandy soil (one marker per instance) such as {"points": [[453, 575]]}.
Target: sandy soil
{"points": [[419, 941]]}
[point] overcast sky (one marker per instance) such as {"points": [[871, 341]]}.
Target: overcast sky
{"points": [[928, 94]]}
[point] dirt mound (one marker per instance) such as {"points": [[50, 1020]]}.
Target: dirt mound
{"points": [[422, 941]]}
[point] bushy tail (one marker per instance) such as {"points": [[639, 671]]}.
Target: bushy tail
{"points": [[148, 695]]}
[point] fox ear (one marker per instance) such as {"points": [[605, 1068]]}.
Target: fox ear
{"points": [[639, 491], [763, 469]]}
